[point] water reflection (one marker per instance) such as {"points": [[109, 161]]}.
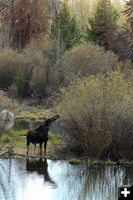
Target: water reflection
{"points": [[41, 167], [41, 179], [26, 124]]}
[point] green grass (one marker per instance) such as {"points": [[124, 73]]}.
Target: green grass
{"points": [[75, 162], [54, 140], [95, 162], [34, 114], [15, 133], [5, 138], [18, 143], [110, 162]]}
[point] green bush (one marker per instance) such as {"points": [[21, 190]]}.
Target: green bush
{"points": [[19, 82], [89, 59], [97, 111]]}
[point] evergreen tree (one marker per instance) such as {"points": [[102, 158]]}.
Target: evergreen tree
{"points": [[103, 25], [129, 13], [65, 29]]}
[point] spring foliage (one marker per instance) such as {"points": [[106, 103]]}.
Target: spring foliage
{"points": [[65, 29], [102, 26], [98, 112]]}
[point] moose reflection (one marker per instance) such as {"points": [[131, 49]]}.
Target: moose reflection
{"points": [[41, 167]]}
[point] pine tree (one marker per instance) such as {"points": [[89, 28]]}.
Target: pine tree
{"points": [[129, 13], [103, 25], [65, 29]]}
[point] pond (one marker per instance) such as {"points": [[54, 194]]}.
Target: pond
{"points": [[40, 179], [27, 124]]}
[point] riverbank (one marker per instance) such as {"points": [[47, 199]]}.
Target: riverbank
{"points": [[56, 149]]}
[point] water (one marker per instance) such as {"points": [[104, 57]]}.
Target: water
{"points": [[32, 179], [27, 124]]}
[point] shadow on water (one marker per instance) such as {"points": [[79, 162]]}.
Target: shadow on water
{"points": [[40, 167]]}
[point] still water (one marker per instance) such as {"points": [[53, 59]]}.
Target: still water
{"points": [[41, 179]]}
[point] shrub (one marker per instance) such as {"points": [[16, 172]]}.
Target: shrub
{"points": [[19, 82], [89, 59], [8, 66], [39, 56], [97, 111], [38, 81]]}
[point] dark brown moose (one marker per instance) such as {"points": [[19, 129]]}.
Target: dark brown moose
{"points": [[40, 135]]}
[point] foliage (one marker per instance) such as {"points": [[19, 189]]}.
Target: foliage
{"points": [[39, 63], [26, 20], [129, 13], [20, 72], [38, 81], [97, 111], [82, 9], [19, 82], [65, 29], [121, 45], [89, 59], [102, 26], [75, 162], [8, 67]]}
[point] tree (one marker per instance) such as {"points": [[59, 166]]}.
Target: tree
{"points": [[119, 6], [129, 13], [82, 10], [65, 30], [103, 25], [54, 7], [25, 20]]}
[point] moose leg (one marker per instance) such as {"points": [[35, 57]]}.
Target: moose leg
{"points": [[35, 148], [40, 149], [28, 146], [45, 145]]}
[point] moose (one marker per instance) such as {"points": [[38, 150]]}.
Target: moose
{"points": [[40, 135]]}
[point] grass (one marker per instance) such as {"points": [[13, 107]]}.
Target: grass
{"points": [[95, 162], [54, 139], [110, 162], [18, 143], [34, 114], [75, 162], [15, 133]]}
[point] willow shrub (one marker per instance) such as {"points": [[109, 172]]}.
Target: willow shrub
{"points": [[8, 67], [39, 64], [97, 111], [89, 59]]}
